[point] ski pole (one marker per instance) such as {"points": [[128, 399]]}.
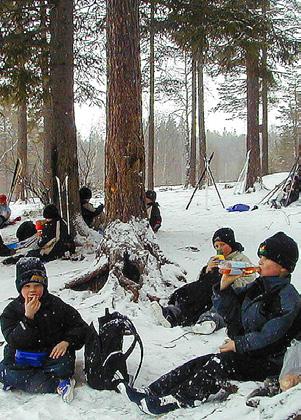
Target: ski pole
{"points": [[292, 183], [199, 181], [215, 186]]}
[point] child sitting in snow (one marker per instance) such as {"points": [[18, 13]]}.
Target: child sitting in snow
{"points": [[192, 303], [260, 318], [5, 211], [54, 239], [153, 212], [93, 216], [42, 334]]}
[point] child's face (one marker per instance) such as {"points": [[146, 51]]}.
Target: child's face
{"points": [[269, 267], [148, 200], [222, 246], [30, 290]]}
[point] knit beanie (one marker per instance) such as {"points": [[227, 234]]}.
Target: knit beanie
{"points": [[85, 193], [30, 270], [151, 195], [227, 235], [51, 212], [281, 249]]}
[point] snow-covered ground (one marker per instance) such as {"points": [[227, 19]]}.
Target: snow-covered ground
{"points": [[164, 348]]}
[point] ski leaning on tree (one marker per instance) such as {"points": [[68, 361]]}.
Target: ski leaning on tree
{"points": [[192, 303], [261, 319], [42, 333]]}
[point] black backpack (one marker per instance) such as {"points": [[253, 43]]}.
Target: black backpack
{"points": [[103, 351]]}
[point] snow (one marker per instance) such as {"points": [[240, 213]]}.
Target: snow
{"points": [[185, 237]]}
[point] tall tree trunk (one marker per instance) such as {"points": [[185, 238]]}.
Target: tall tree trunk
{"points": [[192, 162], [187, 133], [201, 113], [151, 121], [22, 147], [125, 161], [46, 109], [64, 145], [252, 58], [265, 132], [298, 102]]}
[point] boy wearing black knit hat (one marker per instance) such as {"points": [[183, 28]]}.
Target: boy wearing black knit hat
{"points": [[192, 303], [42, 334], [261, 320]]}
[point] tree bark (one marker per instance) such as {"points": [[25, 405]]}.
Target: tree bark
{"points": [[125, 160], [22, 148], [192, 162], [265, 132], [46, 108], [64, 146], [151, 121], [252, 58], [201, 114], [187, 133]]}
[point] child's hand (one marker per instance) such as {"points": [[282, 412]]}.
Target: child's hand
{"points": [[212, 263], [59, 350], [32, 305], [228, 345], [227, 280]]}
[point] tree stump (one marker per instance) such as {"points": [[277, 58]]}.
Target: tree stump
{"points": [[130, 257]]}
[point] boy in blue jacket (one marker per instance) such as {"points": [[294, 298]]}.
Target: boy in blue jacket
{"points": [[260, 321]]}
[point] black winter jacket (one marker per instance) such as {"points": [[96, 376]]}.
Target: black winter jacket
{"points": [[260, 316], [87, 214], [155, 218], [54, 322], [195, 298], [64, 244]]}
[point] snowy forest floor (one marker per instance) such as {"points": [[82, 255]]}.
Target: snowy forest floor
{"points": [[185, 237]]}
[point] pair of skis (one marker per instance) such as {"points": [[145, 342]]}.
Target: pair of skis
{"points": [[16, 176], [64, 187]]}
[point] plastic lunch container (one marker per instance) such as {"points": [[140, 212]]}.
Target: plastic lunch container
{"points": [[30, 358]]}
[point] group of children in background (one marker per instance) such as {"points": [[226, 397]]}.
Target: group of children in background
{"points": [[261, 313], [53, 240]]}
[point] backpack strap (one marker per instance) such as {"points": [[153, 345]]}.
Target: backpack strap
{"points": [[137, 339]]}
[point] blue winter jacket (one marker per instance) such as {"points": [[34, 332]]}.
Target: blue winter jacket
{"points": [[260, 315]]}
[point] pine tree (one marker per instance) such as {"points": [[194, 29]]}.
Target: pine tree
{"points": [[125, 165]]}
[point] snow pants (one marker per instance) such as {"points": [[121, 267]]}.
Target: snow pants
{"points": [[41, 380], [206, 375]]}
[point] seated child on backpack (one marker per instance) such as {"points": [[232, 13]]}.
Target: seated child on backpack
{"points": [[42, 333], [192, 303], [5, 211], [260, 319], [93, 216], [54, 238], [153, 212]]}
